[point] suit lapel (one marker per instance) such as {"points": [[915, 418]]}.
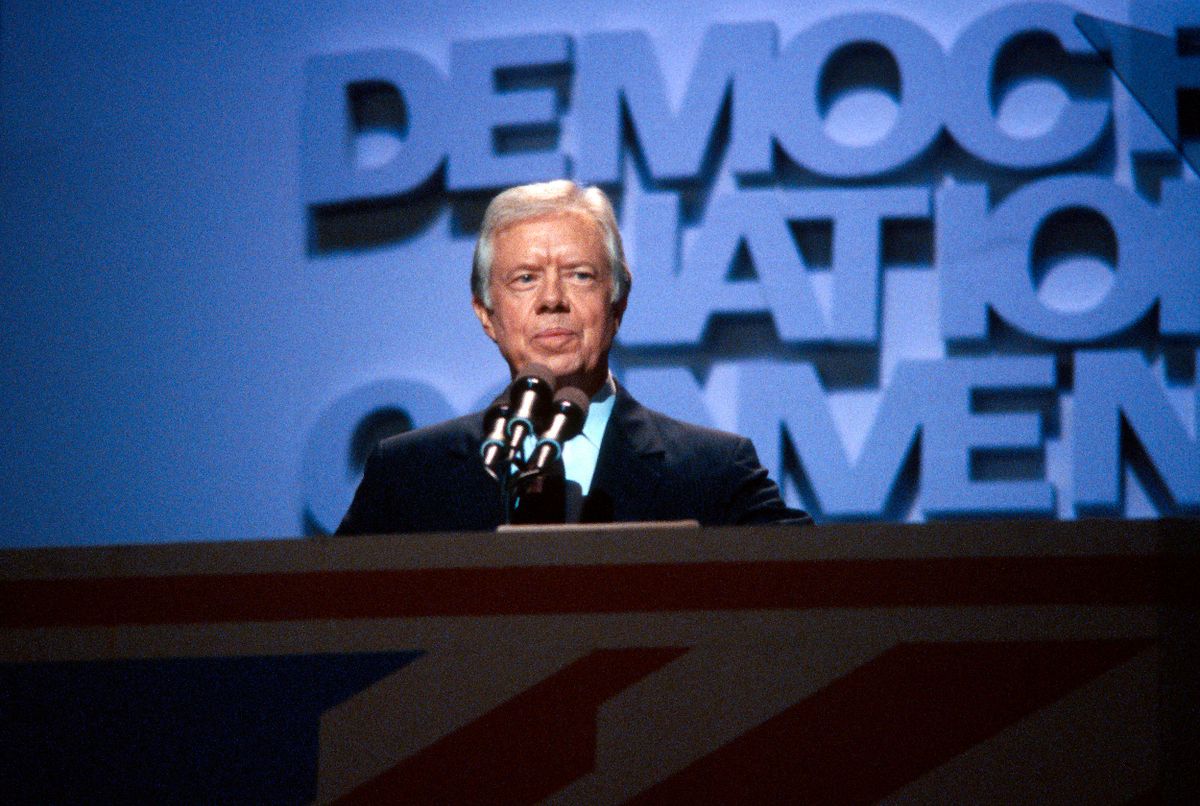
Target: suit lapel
{"points": [[629, 468], [473, 491]]}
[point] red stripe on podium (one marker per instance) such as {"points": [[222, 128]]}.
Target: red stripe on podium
{"points": [[649, 587]]}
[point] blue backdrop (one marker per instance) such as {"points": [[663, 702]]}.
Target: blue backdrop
{"points": [[932, 257]]}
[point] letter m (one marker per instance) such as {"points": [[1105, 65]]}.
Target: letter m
{"points": [[619, 81], [841, 486]]}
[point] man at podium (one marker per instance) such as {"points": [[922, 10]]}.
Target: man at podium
{"points": [[550, 284]]}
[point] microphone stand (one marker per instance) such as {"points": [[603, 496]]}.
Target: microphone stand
{"points": [[510, 424], [509, 490], [514, 483], [570, 411]]}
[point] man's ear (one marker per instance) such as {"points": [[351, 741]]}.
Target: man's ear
{"points": [[619, 310], [485, 317]]}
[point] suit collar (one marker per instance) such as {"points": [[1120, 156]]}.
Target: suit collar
{"points": [[638, 433], [467, 439], [599, 412]]}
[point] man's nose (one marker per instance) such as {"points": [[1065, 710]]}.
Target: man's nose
{"points": [[550, 292]]}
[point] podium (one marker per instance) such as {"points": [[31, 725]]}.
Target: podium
{"points": [[961, 662]]}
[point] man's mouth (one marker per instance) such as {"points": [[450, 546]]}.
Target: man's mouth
{"points": [[554, 336]]}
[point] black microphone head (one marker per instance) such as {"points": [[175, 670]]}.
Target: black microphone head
{"points": [[537, 380], [533, 376], [499, 410], [572, 403]]}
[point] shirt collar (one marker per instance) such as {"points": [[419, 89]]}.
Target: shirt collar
{"points": [[599, 410]]}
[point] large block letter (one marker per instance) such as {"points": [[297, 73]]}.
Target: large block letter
{"points": [[954, 433], [1115, 387], [1152, 59], [680, 310], [970, 106], [620, 69], [480, 111], [329, 170], [777, 396], [758, 221], [985, 259], [329, 476], [797, 123]]}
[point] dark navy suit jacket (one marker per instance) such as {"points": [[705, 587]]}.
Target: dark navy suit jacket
{"points": [[651, 468]]}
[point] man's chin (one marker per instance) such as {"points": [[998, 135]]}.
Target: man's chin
{"points": [[589, 381], [565, 374], [568, 370]]}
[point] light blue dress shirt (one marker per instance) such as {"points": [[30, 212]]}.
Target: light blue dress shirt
{"points": [[580, 453]]}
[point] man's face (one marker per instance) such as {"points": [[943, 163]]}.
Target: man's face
{"points": [[551, 289]]}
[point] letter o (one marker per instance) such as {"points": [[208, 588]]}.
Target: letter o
{"points": [[328, 477], [798, 126], [1021, 217]]}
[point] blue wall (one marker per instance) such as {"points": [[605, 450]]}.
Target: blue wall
{"points": [[202, 307]]}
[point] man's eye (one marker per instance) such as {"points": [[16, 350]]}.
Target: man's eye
{"points": [[524, 278], [583, 275]]}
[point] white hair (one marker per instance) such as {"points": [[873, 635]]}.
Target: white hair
{"points": [[531, 201]]}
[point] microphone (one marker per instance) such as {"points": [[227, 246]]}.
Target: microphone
{"points": [[569, 409], [529, 395], [495, 423]]}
